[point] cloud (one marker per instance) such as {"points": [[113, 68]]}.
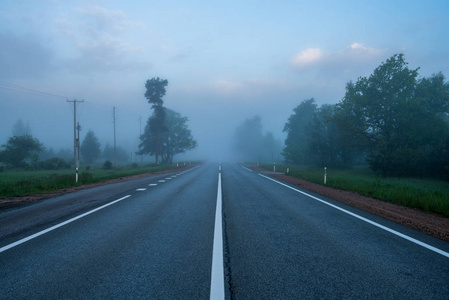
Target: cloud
{"points": [[307, 57], [353, 54]]}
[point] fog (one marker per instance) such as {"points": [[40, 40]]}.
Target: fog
{"points": [[224, 63]]}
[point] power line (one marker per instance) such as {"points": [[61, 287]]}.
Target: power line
{"points": [[21, 89]]}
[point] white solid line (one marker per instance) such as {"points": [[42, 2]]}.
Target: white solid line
{"points": [[246, 168], [141, 190], [217, 278], [434, 249], [59, 225]]}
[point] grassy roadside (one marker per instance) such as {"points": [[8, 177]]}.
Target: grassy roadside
{"points": [[425, 194], [16, 183]]}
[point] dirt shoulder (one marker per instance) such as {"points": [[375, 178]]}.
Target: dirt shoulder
{"points": [[429, 223]]}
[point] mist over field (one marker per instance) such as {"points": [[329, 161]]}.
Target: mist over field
{"points": [[225, 64]]}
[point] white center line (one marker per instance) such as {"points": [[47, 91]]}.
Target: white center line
{"points": [[434, 249], [59, 225], [217, 278]]}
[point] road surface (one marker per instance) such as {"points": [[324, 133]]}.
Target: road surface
{"points": [[157, 238]]}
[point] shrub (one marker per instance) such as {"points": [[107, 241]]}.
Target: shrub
{"points": [[107, 165]]}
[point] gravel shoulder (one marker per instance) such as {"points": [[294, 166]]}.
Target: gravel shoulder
{"points": [[428, 223]]}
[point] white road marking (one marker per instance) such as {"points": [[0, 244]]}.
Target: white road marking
{"points": [[217, 278], [152, 184], [141, 190], [427, 246], [246, 169], [161, 180], [59, 225], [168, 178]]}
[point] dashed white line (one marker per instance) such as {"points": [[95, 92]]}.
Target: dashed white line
{"points": [[246, 169], [59, 225], [152, 184], [161, 180], [141, 190], [434, 249]]}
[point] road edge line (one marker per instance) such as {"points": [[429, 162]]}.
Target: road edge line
{"points": [[406, 237]]}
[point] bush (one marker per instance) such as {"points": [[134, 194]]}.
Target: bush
{"points": [[107, 165], [54, 163]]}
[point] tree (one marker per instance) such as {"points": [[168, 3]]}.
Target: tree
{"points": [[325, 140], [155, 91], [395, 117], [90, 148], [108, 153], [296, 128], [176, 139], [248, 139], [20, 151]]}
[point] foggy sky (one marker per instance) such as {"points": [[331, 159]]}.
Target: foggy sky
{"points": [[224, 62]]}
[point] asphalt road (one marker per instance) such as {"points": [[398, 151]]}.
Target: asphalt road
{"points": [[153, 238]]}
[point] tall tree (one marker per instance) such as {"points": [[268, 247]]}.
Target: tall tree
{"points": [[155, 91], [176, 139], [325, 143], [20, 151], [90, 148], [296, 128], [394, 116]]}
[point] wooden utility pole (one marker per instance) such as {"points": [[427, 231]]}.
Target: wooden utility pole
{"points": [[115, 150], [75, 140]]}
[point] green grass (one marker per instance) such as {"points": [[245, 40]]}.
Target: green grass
{"points": [[426, 194], [16, 183]]}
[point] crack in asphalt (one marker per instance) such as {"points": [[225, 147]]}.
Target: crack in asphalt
{"points": [[227, 258]]}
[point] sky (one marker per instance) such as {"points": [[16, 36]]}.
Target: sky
{"points": [[225, 61]]}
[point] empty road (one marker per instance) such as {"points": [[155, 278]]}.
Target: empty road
{"points": [[157, 238]]}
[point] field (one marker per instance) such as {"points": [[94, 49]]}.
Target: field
{"points": [[425, 194], [16, 183]]}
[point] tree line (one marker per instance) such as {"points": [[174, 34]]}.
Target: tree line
{"points": [[250, 143], [166, 134], [393, 120]]}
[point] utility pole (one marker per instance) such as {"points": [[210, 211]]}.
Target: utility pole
{"points": [[140, 125], [115, 150], [75, 140], [78, 127]]}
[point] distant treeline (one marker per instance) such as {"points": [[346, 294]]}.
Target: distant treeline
{"points": [[394, 120]]}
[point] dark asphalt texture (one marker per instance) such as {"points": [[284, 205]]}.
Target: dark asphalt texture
{"points": [[157, 244], [284, 245]]}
